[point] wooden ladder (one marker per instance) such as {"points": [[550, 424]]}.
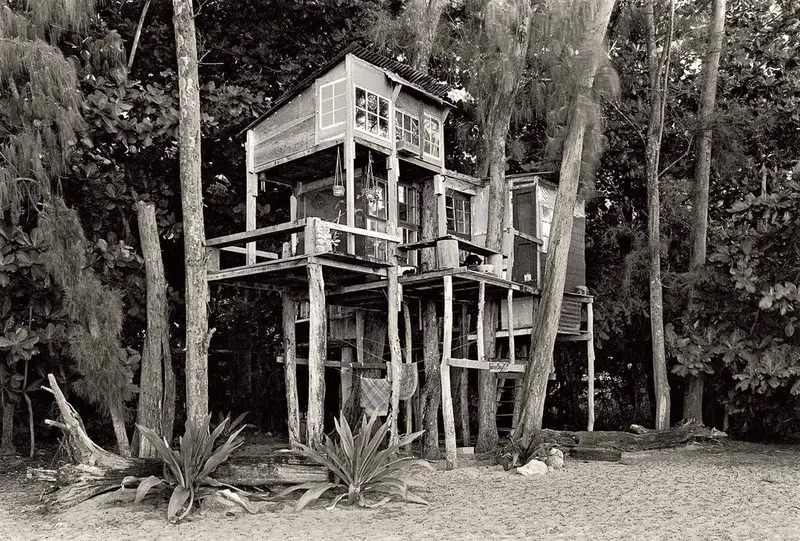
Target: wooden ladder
{"points": [[507, 389]]}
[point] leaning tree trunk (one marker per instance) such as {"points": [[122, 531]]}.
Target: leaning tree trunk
{"points": [[194, 236], [693, 396], [499, 104], [7, 435], [655, 127], [156, 411], [545, 325]]}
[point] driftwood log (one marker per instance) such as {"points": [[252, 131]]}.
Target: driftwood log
{"points": [[96, 471], [643, 440]]}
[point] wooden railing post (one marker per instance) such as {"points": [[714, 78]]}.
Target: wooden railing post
{"points": [[590, 361]]}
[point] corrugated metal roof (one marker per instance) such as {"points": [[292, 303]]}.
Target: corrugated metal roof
{"points": [[416, 80]]}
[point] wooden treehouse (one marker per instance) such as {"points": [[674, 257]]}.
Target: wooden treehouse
{"points": [[378, 226]]}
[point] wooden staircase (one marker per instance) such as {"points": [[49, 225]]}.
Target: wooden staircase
{"points": [[507, 388]]}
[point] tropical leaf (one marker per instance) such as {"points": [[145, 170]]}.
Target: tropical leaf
{"points": [[177, 502], [313, 494], [145, 486], [236, 498]]}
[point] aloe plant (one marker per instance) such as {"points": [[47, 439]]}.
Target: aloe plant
{"points": [[188, 470], [359, 467]]}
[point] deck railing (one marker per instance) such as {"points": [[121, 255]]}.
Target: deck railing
{"points": [[318, 237]]}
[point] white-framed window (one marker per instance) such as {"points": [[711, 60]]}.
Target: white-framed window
{"points": [[458, 212], [372, 113], [432, 140], [408, 218], [545, 222], [406, 128], [332, 104]]}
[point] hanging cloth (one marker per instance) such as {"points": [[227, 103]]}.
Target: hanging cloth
{"points": [[375, 396], [408, 381]]}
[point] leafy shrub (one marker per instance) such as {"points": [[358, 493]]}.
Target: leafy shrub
{"points": [[360, 467], [188, 471]]}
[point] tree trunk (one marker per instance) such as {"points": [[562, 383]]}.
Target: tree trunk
{"points": [[545, 325], [655, 127], [693, 397], [152, 396], [512, 35], [432, 393], [395, 354], [424, 17], [194, 236], [7, 435], [120, 432]]}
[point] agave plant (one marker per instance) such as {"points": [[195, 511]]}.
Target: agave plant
{"points": [[359, 467], [188, 470]]}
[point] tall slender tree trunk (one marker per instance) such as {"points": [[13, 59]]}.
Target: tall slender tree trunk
{"points": [[155, 410], [693, 396], [658, 67], [194, 236], [496, 119], [7, 430], [545, 325], [426, 15]]}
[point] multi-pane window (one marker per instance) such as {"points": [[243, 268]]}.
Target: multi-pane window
{"points": [[406, 128], [408, 217], [432, 138], [332, 104], [458, 211], [408, 205], [375, 209], [372, 113]]}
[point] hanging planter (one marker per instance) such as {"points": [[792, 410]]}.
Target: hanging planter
{"points": [[371, 192], [338, 182]]}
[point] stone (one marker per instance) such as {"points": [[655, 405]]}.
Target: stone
{"points": [[555, 459]]}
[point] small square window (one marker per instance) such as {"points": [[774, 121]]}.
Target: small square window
{"points": [[432, 144], [332, 104], [406, 129]]}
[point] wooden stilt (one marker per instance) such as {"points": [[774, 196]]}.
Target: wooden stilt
{"points": [[395, 355], [346, 381], [463, 379], [317, 350], [447, 395], [290, 366], [511, 345], [252, 194], [590, 362], [408, 359], [479, 325]]}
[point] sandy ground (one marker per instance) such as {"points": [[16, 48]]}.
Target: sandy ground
{"points": [[740, 491]]}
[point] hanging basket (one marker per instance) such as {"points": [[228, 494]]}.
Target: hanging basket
{"points": [[338, 191]]}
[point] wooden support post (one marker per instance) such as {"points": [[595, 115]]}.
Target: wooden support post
{"points": [[395, 355], [350, 154], [409, 360], [293, 217], [447, 395], [463, 379], [346, 377], [290, 367], [479, 330], [317, 352], [511, 343], [360, 336], [251, 195], [590, 362]]}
